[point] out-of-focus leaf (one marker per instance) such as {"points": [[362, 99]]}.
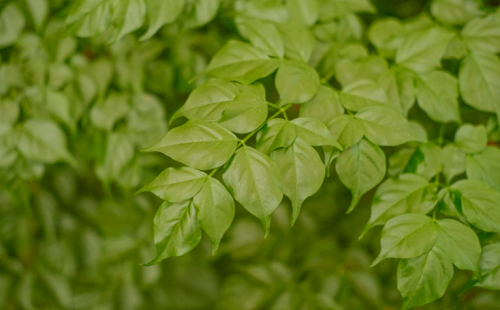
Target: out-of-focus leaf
{"points": [[12, 23]]}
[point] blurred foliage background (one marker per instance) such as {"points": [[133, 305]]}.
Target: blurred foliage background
{"points": [[72, 232]]}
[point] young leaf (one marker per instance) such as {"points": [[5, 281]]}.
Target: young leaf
{"points": [[325, 105], [422, 50], [360, 168], [386, 126], [455, 12], [161, 12], [479, 204], [362, 94], [406, 236], [485, 166], [479, 82], [215, 210], [262, 34], [470, 138], [296, 82], [424, 279], [241, 62], [255, 181], [483, 34], [198, 144], [277, 133], [302, 170], [12, 24], [460, 244], [490, 267], [176, 230], [453, 162], [437, 95], [410, 193], [245, 113], [299, 42], [314, 132], [176, 184]]}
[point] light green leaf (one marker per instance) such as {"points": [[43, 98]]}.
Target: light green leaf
{"points": [[470, 138], [299, 42], [350, 70], [273, 10], [176, 184], [490, 267], [302, 170], [362, 94], [346, 129], [198, 144], [339, 8], [161, 12], [455, 12], [386, 126], [241, 62], [482, 34], [425, 161], [399, 85], [202, 12], [325, 105], [277, 133], [485, 166], [9, 114], [39, 10], [255, 181], [176, 230], [437, 95], [407, 236], [314, 132], [422, 50], [456, 49], [119, 153], [244, 114], [12, 23], [44, 141], [453, 161], [105, 114], [424, 279], [479, 204], [460, 244], [449, 204], [215, 210], [479, 82], [296, 82], [262, 34], [360, 168], [304, 12], [410, 193], [89, 17], [127, 16], [386, 35]]}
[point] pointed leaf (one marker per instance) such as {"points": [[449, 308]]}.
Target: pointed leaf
{"points": [[314, 132], [325, 105], [490, 267], [299, 42], [262, 34], [296, 82], [245, 113], [161, 12], [277, 133]]}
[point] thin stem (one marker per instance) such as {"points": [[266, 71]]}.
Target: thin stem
{"points": [[213, 172], [441, 134]]}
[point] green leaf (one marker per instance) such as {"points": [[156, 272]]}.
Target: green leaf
{"points": [[350, 70], [424, 279], [453, 162], [215, 210], [43, 141], [362, 94], [89, 17], [119, 153], [426, 161], [303, 12], [407, 236], [244, 114], [208, 101], [299, 42], [485, 166], [346, 129], [9, 114], [255, 181], [455, 12], [325, 105], [105, 114], [399, 85], [176, 230], [479, 82], [479, 204], [176, 184], [422, 50], [296, 82], [198, 144], [490, 267], [483, 34], [460, 244], [386, 126], [161, 12], [360, 168], [302, 170], [339, 8], [437, 95], [273, 10], [470, 138], [262, 34], [277, 133], [314, 132], [59, 107], [39, 10], [12, 23], [202, 12], [449, 204], [127, 16], [386, 35], [241, 62], [409, 193]]}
